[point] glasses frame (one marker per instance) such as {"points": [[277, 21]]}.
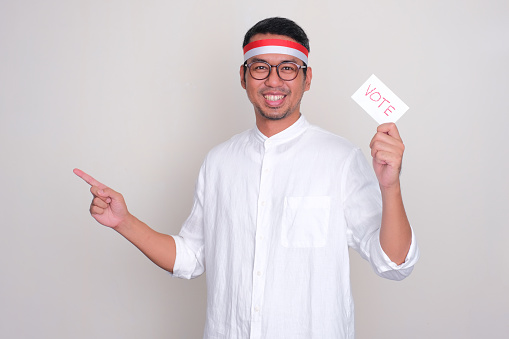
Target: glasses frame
{"points": [[277, 69]]}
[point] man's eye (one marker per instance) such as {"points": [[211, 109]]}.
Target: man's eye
{"points": [[261, 68], [287, 68]]}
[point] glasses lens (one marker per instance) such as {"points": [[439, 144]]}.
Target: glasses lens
{"points": [[259, 70], [288, 70]]}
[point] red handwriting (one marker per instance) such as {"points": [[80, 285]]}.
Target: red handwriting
{"points": [[376, 97]]}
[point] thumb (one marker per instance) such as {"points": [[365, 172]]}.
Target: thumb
{"points": [[108, 194]]}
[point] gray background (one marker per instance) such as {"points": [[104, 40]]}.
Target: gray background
{"points": [[136, 93]]}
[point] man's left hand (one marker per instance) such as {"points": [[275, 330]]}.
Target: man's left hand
{"points": [[387, 151]]}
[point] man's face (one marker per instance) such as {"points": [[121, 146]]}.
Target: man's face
{"points": [[273, 98]]}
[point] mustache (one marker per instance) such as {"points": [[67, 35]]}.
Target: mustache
{"points": [[281, 90]]}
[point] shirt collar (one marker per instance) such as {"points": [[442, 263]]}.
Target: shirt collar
{"points": [[296, 129]]}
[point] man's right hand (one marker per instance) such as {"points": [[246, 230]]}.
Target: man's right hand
{"points": [[108, 206]]}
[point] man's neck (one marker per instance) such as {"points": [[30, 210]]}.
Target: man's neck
{"points": [[272, 127]]}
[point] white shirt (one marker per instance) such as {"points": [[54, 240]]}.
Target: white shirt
{"points": [[272, 222]]}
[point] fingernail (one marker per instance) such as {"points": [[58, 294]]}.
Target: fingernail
{"points": [[101, 192]]}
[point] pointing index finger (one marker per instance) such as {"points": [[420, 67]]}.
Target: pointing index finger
{"points": [[91, 181]]}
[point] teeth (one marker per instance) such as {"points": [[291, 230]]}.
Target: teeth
{"points": [[273, 97]]}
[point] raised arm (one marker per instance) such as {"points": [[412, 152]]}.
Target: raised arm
{"points": [[387, 151], [109, 209]]}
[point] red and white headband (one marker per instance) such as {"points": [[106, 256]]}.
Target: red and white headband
{"points": [[276, 46]]}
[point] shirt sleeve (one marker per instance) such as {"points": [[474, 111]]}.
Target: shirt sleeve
{"points": [[190, 259], [362, 203]]}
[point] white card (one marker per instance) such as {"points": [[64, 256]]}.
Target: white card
{"points": [[379, 101]]}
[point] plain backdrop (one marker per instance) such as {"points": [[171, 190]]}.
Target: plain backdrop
{"points": [[137, 92]]}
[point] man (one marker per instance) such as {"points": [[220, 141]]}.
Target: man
{"points": [[277, 207]]}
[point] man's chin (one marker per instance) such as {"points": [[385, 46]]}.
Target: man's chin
{"points": [[273, 114], [274, 117]]}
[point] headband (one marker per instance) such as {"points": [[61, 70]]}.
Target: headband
{"points": [[276, 46]]}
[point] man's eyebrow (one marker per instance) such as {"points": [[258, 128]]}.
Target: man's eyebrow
{"points": [[258, 60]]}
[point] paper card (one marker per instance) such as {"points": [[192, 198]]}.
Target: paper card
{"points": [[379, 101]]}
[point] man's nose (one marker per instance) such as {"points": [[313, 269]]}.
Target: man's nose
{"points": [[273, 80]]}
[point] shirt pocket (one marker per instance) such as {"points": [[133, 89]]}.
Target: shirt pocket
{"points": [[305, 221]]}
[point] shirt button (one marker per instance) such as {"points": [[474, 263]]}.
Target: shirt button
{"points": [[257, 309], [258, 273], [262, 203]]}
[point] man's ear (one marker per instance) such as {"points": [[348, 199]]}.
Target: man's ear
{"points": [[242, 77], [309, 75]]}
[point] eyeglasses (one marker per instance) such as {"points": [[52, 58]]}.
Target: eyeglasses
{"points": [[287, 70]]}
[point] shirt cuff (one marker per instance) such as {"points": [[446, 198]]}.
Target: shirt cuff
{"points": [[177, 265], [186, 264]]}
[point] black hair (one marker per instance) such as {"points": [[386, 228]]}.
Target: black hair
{"points": [[278, 26]]}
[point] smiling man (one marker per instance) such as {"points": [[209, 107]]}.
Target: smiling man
{"points": [[275, 95], [277, 207]]}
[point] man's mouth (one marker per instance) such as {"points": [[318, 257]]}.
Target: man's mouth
{"points": [[274, 100]]}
